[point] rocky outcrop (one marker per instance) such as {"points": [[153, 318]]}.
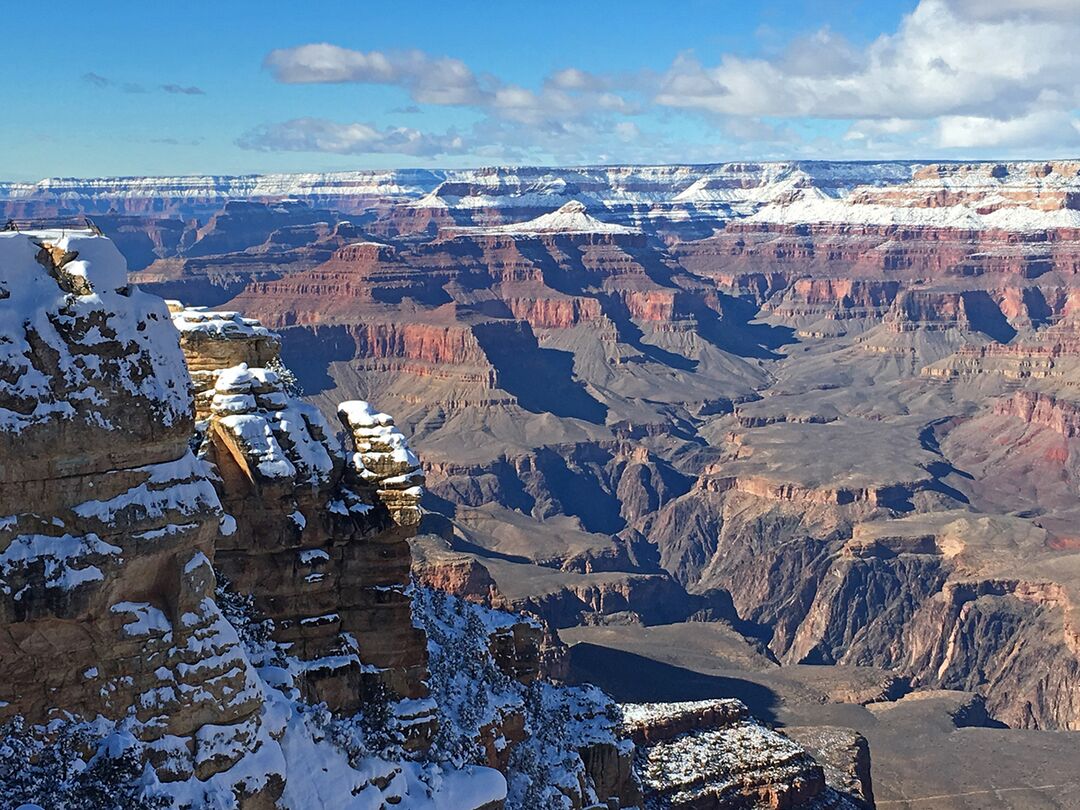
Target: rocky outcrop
{"points": [[384, 461], [213, 340], [558, 746], [658, 723], [712, 754], [1013, 640], [437, 566], [315, 542], [923, 596], [107, 591]]}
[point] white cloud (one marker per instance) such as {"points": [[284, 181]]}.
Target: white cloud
{"points": [[885, 127], [321, 135], [942, 61], [566, 94], [569, 104], [1046, 130], [955, 75], [574, 79], [820, 54], [429, 80], [1063, 10]]}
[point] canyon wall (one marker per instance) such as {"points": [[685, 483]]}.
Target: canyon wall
{"points": [[876, 318]]}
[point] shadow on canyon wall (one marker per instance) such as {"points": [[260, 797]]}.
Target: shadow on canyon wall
{"points": [[308, 351], [541, 379]]}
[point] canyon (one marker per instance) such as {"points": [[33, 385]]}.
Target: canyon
{"points": [[801, 434], [206, 595]]}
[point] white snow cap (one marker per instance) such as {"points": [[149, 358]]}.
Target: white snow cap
{"points": [[573, 217], [217, 323], [235, 380], [361, 414], [33, 302]]}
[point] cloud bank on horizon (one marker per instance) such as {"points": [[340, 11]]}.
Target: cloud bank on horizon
{"points": [[956, 75]]}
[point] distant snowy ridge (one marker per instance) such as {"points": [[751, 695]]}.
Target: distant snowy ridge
{"points": [[1013, 196], [639, 184], [391, 183]]}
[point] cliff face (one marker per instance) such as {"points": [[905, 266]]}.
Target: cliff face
{"points": [[830, 404], [108, 588], [320, 547], [224, 588]]}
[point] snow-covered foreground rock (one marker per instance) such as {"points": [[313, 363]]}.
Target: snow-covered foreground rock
{"points": [[712, 753], [204, 602]]}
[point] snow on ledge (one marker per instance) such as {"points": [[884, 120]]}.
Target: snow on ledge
{"points": [[813, 207], [34, 303], [216, 323]]}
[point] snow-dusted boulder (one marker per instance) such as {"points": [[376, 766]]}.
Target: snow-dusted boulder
{"points": [[86, 361]]}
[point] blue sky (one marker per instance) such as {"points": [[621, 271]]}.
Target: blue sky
{"points": [[236, 86]]}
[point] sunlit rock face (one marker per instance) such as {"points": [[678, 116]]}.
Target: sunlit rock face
{"points": [[322, 549]]}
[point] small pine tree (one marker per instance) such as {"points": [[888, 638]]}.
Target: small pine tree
{"points": [[377, 719], [289, 381]]}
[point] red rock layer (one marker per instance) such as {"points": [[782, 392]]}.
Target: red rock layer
{"points": [[1060, 415], [901, 251]]}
